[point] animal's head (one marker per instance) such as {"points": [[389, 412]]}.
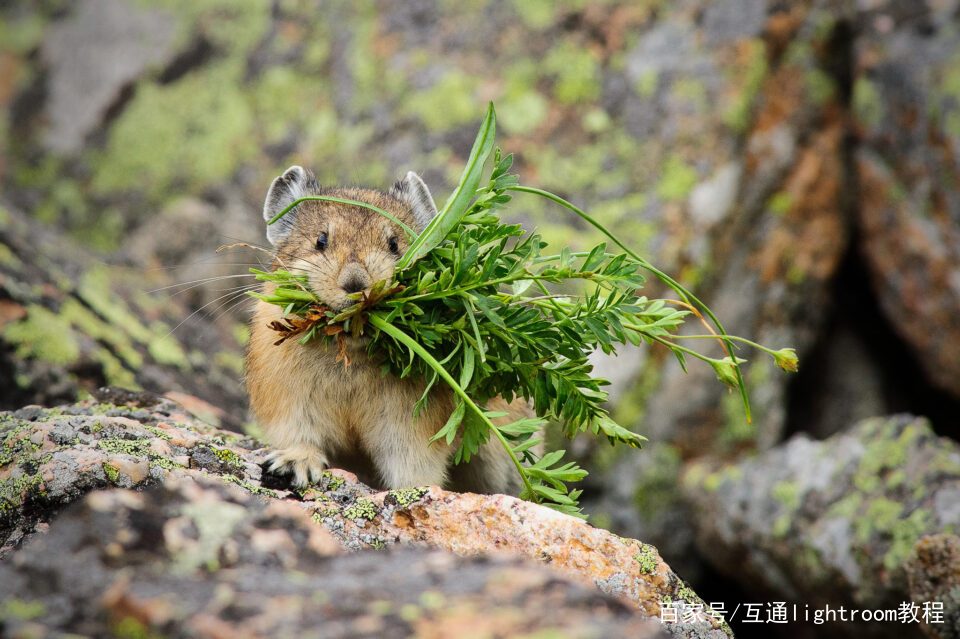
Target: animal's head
{"points": [[343, 248]]}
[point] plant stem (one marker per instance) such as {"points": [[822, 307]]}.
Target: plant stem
{"points": [[735, 338], [672, 283], [394, 332], [329, 198], [682, 349]]}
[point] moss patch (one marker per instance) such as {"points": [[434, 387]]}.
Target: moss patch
{"points": [[867, 105], [677, 179], [751, 72], [404, 497], [133, 447], [112, 473], [361, 509], [329, 481], [193, 133], [45, 336], [447, 104], [227, 456], [575, 72], [647, 559], [21, 610]]}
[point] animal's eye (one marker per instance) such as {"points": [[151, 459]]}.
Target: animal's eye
{"points": [[394, 246], [322, 242]]}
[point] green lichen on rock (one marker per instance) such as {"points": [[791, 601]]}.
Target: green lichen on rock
{"points": [[164, 349], [156, 430], [904, 534], [88, 323], [447, 104], [324, 507], [575, 72], [363, 508], [839, 516], [750, 77], [95, 290], [194, 132], [165, 463], [885, 453], [247, 485], [16, 443], [112, 473], [787, 493], [21, 610], [227, 456], [43, 335], [405, 497], [867, 104], [677, 179], [14, 489], [132, 447], [647, 559], [329, 481]]}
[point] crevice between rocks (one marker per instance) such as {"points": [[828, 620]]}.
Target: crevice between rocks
{"points": [[885, 376]]}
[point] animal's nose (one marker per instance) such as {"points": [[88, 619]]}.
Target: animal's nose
{"points": [[353, 278], [353, 285]]}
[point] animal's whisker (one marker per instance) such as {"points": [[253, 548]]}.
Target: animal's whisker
{"points": [[200, 282], [196, 264], [199, 310], [240, 240], [230, 306]]}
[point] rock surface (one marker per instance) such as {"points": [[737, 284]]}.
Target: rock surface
{"points": [[842, 520], [199, 558], [906, 101], [934, 575], [70, 323], [51, 458], [790, 161]]}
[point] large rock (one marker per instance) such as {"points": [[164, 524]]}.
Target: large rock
{"points": [[205, 559], [934, 576], [906, 103], [70, 323], [53, 457], [839, 521], [762, 229]]}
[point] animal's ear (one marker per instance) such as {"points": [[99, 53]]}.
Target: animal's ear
{"points": [[412, 190], [296, 182]]}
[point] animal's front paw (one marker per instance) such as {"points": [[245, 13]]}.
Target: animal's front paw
{"points": [[305, 463]]}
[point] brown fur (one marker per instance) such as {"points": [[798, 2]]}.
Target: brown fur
{"points": [[320, 412]]}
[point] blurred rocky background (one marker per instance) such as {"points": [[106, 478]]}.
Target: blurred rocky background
{"points": [[795, 163]]}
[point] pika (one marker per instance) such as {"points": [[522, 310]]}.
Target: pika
{"points": [[318, 412]]}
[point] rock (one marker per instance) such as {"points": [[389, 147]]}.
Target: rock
{"points": [[73, 324], [906, 105], [762, 230], [835, 521], [934, 576], [199, 558], [100, 48], [53, 457]]}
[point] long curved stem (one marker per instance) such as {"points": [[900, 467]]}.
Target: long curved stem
{"points": [[669, 281], [413, 345], [342, 200]]}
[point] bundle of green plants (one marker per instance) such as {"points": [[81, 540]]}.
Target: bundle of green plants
{"points": [[485, 308]]}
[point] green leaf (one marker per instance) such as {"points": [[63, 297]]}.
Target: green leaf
{"points": [[449, 430], [459, 201]]}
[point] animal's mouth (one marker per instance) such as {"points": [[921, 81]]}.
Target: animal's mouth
{"points": [[347, 302]]}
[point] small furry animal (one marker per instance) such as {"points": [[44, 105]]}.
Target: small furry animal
{"points": [[317, 411]]}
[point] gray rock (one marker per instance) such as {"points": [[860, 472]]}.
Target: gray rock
{"points": [[172, 543], [832, 521], [197, 557], [102, 47]]}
